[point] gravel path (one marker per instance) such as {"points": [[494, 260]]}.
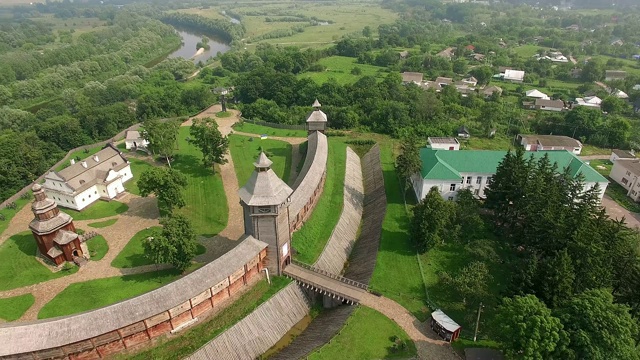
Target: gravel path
{"points": [[428, 344]]}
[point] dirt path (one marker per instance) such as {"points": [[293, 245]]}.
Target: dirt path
{"points": [[142, 214], [427, 343]]}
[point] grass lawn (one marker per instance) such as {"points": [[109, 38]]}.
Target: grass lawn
{"points": [[18, 265], [103, 224], [527, 51], [137, 168], [451, 258], [339, 68], [314, 234], [397, 272], [205, 197], [93, 294], [8, 214], [245, 151], [594, 150], [478, 143], [601, 166], [14, 307], [619, 194], [260, 129], [98, 247], [133, 253], [196, 336], [98, 210], [366, 335], [223, 114]]}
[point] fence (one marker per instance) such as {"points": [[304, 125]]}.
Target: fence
{"points": [[275, 125]]}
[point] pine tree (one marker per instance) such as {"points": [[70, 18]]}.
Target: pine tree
{"points": [[408, 162]]}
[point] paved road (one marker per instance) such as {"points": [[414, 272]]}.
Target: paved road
{"points": [[615, 211]]}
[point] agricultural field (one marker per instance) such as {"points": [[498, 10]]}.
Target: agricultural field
{"points": [[340, 68]]}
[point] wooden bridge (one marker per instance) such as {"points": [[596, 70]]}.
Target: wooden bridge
{"points": [[326, 283]]}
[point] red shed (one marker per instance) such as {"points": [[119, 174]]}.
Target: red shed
{"points": [[444, 326]]}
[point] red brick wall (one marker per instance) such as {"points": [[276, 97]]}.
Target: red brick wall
{"points": [[110, 348], [202, 307], [85, 355], [162, 328], [135, 339]]}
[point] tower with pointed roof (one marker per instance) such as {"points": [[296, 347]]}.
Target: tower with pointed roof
{"points": [[53, 230], [265, 203], [317, 120]]}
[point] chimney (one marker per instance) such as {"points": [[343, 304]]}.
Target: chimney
{"points": [[73, 161], [95, 158], [84, 164]]}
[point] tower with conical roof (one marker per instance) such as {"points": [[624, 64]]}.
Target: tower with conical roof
{"points": [[265, 203], [53, 230], [317, 120]]}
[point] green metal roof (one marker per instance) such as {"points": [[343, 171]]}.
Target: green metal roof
{"points": [[448, 164]]}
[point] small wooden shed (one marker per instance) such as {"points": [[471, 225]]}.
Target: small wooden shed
{"points": [[444, 326]]}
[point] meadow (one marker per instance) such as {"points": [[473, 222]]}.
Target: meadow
{"points": [[340, 68]]}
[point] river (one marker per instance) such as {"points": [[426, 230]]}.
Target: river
{"points": [[188, 49]]}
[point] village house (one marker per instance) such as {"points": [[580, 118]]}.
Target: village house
{"points": [[626, 173], [589, 101], [477, 57], [622, 154], [544, 104], [134, 141], [536, 94], [451, 171], [412, 77], [447, 53], [490, 90], [404, 54], [100, 176], [444, 143], [512, 75], [549, 143], [611, 75]]}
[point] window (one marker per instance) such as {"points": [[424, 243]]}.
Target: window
{"points": [[95, 192], [628, 173], [633, 193], [489, 180], [82, 199], [450, 198], [452, 187], [114, 163], [479, 180], [477, 192], [468, 179], [625, 181], [82, 182], [264, 209]]}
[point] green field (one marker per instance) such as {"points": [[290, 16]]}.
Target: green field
{"points": [[13, 308], [245, 151], [94, 294], [132, 254], [103, 224], [594, 150], [8, 214], [601, 166], [18, 265], [527, 51], [250, 128], [205, 197], [339, 68], [313, 236], [199, 334], [98, 210], [98, 247], [137, 168], [366, 335], [397, 272]]}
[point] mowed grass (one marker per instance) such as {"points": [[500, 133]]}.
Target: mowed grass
{"points": [[103, 224], [397, 273], [250, 128], [199, 334], [98, 210], [132, 254], [309, 241], [18, 265], [8, 213], [601, 166], [366, 335], [137, 168], [93, 294], [594, 150], [340, 67], [13, 308], [98, 247], [245, 151], [528, 50], [619, 195], [205, 196]]}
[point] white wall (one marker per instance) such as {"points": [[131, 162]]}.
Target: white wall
{"points": [[455, 146], [618, 173]]}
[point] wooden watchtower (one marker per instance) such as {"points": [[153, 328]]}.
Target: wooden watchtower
{"points": [[317, 120]]}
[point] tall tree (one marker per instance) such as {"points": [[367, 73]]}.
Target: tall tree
{"points": [[472, 282], [207, 137], [408, 162], [527, 329], [431, 220], [175, 244], [162, 137], [599, 328], [166, 184]]}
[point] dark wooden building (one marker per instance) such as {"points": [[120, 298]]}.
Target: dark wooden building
{"points": [[317, 120]]}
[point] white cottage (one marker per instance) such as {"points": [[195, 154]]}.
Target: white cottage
{"points": [[134, 140], [100, 176]]}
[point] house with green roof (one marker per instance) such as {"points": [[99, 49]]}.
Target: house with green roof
{"points": [[450, 171]]}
